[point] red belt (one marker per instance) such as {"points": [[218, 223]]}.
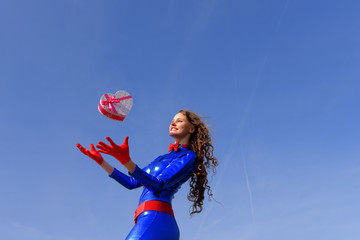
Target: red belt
{"points": [[154, 206]]}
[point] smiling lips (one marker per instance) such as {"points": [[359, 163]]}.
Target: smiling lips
{"points": [[173, 128]]}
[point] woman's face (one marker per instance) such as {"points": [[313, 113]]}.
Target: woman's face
{"points": [[180, 127]]}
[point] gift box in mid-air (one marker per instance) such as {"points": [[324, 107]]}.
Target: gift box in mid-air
{"points": [[115, 106]]}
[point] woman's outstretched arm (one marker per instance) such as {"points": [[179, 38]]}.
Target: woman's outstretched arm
{"points": [[107, 167], [130, 166], [121, 178]]}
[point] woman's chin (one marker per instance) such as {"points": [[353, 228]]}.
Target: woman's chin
{"points": [[173, 135]]}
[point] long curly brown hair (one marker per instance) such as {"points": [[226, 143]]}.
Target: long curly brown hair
{"points": [[201, 144]]}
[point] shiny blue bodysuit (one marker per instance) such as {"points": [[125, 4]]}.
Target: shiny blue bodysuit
{"points": [[161, 179]]}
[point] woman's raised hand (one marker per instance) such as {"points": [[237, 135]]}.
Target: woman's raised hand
{"points": [[92, 153], [120, 152]]}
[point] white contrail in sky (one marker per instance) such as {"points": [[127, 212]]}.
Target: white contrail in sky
{"points": [[248, 186]]}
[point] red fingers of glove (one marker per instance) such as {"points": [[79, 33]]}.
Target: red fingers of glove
{"points": [[120, 152], [92, 153]]}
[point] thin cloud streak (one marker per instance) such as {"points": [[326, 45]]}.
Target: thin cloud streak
{"points": [[248, 185]]}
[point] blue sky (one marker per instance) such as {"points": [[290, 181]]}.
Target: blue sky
{"points": [[278, 81]]}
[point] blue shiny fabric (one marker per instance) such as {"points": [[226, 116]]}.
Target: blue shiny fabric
{"points": [[161, 179]]}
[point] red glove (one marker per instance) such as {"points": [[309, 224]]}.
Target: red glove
{"points": [[120, 152], [92, 153]]}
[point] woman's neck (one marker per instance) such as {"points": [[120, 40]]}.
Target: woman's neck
{"points": [[183, 141]]}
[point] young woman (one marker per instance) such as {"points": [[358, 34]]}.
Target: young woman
{"points": [[189, 158]]}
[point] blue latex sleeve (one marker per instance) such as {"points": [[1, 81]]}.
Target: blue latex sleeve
{"points": [[175, 172], [125, 180]]}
